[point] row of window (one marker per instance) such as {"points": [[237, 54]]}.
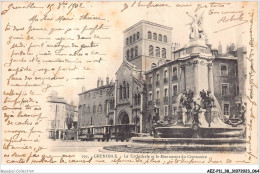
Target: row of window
{"points": [[159, 38], [157, 51], [94, 109], [165, 75], [223, 72], [133, 52], [174, 93], [124, 91], [95, 93], [224, 91], [133, 38]]}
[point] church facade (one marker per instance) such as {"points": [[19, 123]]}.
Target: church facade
{"points": [[154, 74]]}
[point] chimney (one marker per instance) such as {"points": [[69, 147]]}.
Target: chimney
{"points": [[98, 81], [176, 46], [101, 82], [83, 88], [228, 48], [232, 47], [219, 48], [107, 80]]}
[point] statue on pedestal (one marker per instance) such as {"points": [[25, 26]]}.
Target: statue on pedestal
{"points": [[196, 27]]}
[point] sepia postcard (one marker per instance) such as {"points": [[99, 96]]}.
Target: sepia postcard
{"points": [[129, 82]]}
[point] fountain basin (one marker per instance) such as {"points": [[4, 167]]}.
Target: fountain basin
{"points": [[197, 132], [189, 144]]}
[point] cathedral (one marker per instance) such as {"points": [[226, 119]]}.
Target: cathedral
{"points": [[155, 73]]}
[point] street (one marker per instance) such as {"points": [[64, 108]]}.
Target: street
{"points": [[81, 146]]}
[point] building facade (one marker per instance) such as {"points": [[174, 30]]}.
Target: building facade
{"points": [[62, 116], [155, 73], [93, 104]]}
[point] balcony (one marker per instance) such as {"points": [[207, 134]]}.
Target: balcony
{"points": [[174, 98], [157, 101], [174, 78], [157, 83], [165, 80], [166, 100]]}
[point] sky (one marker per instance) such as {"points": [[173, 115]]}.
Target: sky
{"points": [[173, 16]]}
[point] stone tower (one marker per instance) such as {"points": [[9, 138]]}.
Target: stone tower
{"points": [[146, 43]]}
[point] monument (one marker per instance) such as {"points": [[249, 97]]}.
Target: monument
{"points": [[200, 121]]}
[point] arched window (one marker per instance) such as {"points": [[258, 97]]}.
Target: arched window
{"points": [[157, 50], [150, 50], [120, 92], [149, 35], [130, 39], [160, 38], [136, 51], [126, 41], [135, 99], [133, 37], [124, 90], [132, 52], [154, 36], [127, 89], [165, 39], [137, 36], [163, 53], [139, 99], [127, 54]]}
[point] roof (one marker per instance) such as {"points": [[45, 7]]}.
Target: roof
{"points": [[130, 65], [139, 81], [162, 65], [149, 23], [226, 57], [98, 88]]}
